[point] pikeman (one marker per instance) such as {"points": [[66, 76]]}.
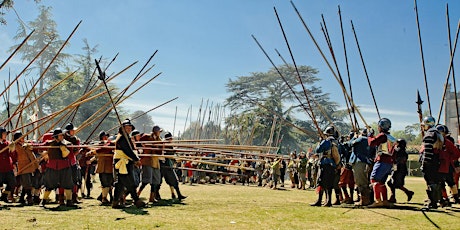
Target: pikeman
{"points": [[167, 171], [449, 153], [7, 166], [124, 160], [27, 167], [328, 162], [104, 167], [384, 144], [69, 135], [432, 144], [151, 166], [58, 169], [361, 160]]}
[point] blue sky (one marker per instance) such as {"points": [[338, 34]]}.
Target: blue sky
{"points": [[203, 43]]}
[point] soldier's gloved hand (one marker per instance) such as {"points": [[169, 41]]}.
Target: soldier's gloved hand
{"points": [[11, 147], [370, 132]]}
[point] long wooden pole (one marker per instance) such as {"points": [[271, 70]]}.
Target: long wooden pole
{"points": [[299, 78], [356, 125], [365, 70], [423, 59], [17, 49], [26, 68], [453, 71], [449, 71], [327, 62]]}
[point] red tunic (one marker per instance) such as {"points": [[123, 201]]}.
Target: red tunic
{"points": [[378, 140], [6, 158], [447, 155]]}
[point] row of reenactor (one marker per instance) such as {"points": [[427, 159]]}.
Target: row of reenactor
{"points": [[59, 163], [371, 162]]}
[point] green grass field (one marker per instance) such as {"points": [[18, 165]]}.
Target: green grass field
{"points": [[236, 207]]}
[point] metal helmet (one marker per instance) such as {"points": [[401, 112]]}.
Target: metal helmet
{"points": [[2, 130], [69, 127], [329, 131], [135, 132], [442, 129], [56, 132], [103, 134], [127, 122], [385, 124], [429, 121], [168, 136], [17, 135], [401, 143]]}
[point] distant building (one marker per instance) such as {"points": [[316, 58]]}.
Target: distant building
{"points": [[450, 113]]}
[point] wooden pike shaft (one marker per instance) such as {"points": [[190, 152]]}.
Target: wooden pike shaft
{"points": [[334, 59], [210, 171], [356, 126], [179, 141], [365, 70], [47, 67], [17, 49], [319, 106], [75, 103], [44, 93], [121, 100], [421, 54], [453, 71], [156, 107], [90, 120], [327, 62], [199, 161], [449, 71], [25, 68]]}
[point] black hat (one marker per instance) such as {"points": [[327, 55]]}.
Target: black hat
{"points": [[69, 126], [17, 135], [156, 128], [103, 134], [135, 132], [56, 132], [168, 135], [3, 130], [127, 122]]}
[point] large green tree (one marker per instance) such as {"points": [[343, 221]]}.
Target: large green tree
{"points": [[265, 109], [45, 32]]}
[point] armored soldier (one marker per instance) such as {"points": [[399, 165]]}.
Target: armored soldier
{"points": [[328, 163], [384, 144], [361, 161], [432, 143]]}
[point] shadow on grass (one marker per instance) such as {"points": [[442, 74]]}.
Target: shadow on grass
{"points": [[167, 202], [428, 218]]}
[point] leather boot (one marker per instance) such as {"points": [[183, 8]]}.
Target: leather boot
{"points": [[320, 198], [61, 199], [70, 204], [139, 204], [4, 197], [75, 198], [152, 197], [337, 199], [329, 198], [157, 194], [179, 194]]}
